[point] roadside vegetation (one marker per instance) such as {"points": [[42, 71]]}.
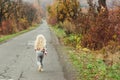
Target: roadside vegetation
{"points": [[91, 65], [16, 16], [7, 37], [93, 37]]}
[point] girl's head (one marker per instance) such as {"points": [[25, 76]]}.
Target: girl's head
{"points": [[40, 42]]}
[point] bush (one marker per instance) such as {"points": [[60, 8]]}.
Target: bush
{"points": [[68, 26], [73, 40], [100, 32]]}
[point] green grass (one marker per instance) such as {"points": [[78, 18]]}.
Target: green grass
{"points": [[58, 31], [71, 40], [6, 37], [90, 68]]}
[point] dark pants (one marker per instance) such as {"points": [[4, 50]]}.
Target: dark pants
{"points": [[40, 56], [41, 60]]}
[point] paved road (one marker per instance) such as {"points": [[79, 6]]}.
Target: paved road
{"points": [[17, 58]]}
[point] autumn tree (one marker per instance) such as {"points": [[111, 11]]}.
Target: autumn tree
{"points": [[64, 9], [64, 12], [4, 9], [5, 12], [17, 15], [52, 13], [67, 9]]}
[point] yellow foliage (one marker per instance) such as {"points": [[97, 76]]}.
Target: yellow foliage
{"points": [[64, 9], [52, 11], [85, 49]]}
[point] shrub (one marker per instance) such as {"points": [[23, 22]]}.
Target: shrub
{"points": [[68, 26], [73, 40], [99, 34]]}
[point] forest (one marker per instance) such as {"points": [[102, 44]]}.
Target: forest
{"points": [[16, 15]]}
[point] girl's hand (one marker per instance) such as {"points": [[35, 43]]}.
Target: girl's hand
{"points": [[45, 53]]}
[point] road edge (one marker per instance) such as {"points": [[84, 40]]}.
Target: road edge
{"points": [[68, 69]]}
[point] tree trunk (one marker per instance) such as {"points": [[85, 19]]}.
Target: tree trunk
{"points": [[102, 6]]}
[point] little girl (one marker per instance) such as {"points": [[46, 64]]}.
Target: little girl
{"points": [[40, 49]]}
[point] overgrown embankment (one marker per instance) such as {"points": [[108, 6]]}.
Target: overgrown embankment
{"points": [[93, 37], [90, 65]]}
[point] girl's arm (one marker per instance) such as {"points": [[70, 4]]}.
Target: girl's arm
{"points": [[45, 50]]}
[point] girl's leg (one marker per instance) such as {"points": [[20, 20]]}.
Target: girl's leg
{"points": [[41, 60], [38, 60], [39, 57]]}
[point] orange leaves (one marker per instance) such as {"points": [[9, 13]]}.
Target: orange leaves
{"points": [[52, 13], [64, 9]]}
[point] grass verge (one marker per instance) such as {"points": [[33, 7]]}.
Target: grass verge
{"points": [[88, 66], [6, 37], [58, 31]]}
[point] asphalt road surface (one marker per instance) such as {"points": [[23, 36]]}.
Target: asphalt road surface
{"points": [[18, 59]]}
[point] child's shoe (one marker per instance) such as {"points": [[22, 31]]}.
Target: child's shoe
{"points": [[39, 68], [42, 69]]}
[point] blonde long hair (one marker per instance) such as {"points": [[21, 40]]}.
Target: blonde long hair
{"points": [[40, 42]]}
